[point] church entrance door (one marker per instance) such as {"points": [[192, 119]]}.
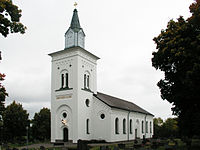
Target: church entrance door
{"points": [[135, 133], [65, 134]]}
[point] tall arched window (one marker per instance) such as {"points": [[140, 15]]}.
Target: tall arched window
{"points": [[124, 126], [64, 79], [146, 126], [87, 126], [116, 126], [131, 130], [142, 126], [150, 127], [85, 76], [86, 80]]}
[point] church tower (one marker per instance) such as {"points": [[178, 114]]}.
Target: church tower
{"points": [[73, 83]]}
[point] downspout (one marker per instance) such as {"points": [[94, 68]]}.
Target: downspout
{"points": [[128, 124], [145, 119]]}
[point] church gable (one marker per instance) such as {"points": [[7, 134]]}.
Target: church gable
{"points": [[99, 106]]}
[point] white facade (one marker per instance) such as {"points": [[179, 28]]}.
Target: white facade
{"points": [[76, 113]]}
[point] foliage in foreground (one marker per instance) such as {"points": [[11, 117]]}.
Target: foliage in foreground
{"points": [[3, 95], [16, 124], [178, 56], [166, 129], [10, 16], [41, 125], [15, 121]]}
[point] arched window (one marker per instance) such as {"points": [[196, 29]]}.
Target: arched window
{"points": [[150, 127], [131, 130], [146, 126], [116, 126], [87, 102], [64, 79], [87, 80], [85, 76], [87, 126], [142, 126], [124, 126]]}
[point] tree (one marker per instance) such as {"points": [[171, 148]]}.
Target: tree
{"points": [[3, 94], [168, 128], [178, 56], [158, 122], [41, 125], [15, 121], [10, 18]]}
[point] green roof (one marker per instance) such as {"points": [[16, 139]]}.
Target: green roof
{"points": [[75, 24]]}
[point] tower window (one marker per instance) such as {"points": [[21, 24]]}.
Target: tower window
{"points": [[64, 80], [86, 81], [87, 126], [64, 115], [87, 102]]}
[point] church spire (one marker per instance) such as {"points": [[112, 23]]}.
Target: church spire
{"points": [[75, 35], [75, 24]]}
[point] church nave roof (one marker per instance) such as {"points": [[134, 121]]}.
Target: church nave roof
{"points": [[115, 102]]}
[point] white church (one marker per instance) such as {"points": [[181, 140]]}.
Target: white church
{"points": [[78, 111]]}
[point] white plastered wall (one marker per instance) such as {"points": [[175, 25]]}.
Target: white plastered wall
{"points": [[100, 127], [63, 99], [136, 124]]}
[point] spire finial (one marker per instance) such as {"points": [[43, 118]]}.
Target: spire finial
{"points": [[75, 4]]}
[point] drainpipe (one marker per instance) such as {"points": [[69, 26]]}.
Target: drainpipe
{"points": [[145, 126], [128, 124]]}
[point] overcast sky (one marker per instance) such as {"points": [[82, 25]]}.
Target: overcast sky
{"points": [[120, 32]]}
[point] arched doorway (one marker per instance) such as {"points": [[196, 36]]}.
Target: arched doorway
{"points": [[136, 134], [65, 134]]}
